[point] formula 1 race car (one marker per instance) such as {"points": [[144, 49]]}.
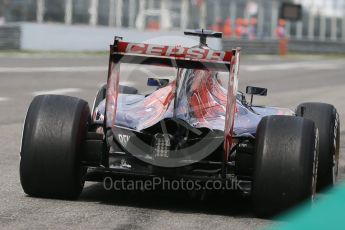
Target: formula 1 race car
{"points": [[194, 126]]}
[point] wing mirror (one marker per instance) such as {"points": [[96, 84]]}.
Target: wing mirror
{"points": [[157, 82], [252, 90]]}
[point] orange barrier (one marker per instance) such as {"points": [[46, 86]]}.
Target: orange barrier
{"points": [[153, 25], [227, 30]]}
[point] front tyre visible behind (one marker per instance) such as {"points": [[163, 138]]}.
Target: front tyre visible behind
{"points": [[326, 119], [54, 131], [285, 164]]}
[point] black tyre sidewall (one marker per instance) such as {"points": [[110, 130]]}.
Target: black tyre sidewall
{"points": [[284, 164], [54, 129], [326, 119]]}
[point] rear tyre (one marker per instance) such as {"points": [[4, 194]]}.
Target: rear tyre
{"points": [[284, 164], [326, 119], [54, 130]]}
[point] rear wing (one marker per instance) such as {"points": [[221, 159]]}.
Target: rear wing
{"points": [[178, 57], [172, 56]]}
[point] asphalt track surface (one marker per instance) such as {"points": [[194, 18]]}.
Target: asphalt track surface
{"points": [[290, 81]]}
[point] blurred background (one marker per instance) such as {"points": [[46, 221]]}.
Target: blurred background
{"points": [[316, 26], [59, 47]]}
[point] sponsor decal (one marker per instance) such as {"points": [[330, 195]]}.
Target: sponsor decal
{"points": [[123, 139], [174, 51]]}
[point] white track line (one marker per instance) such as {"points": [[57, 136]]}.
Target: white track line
{"points": [[250, 68], [57, 91], [53, 69], [296, 66], [3, 99]]}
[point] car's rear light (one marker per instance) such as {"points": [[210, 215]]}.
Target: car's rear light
{"points": [[162, 145]]}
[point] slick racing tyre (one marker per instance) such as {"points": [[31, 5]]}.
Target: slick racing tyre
{"points": [[326, 119], [285, 164], [51, 152]]}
